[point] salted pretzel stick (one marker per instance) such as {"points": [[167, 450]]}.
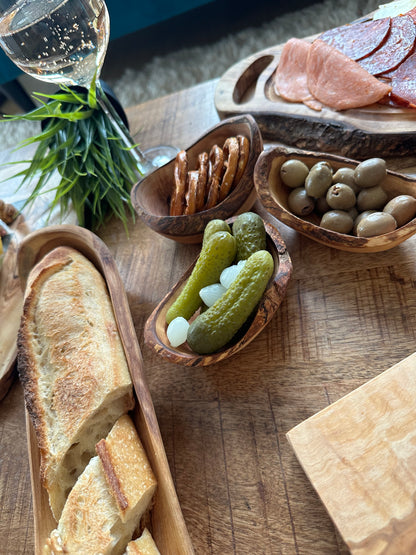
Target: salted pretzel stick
{"points": [[244, 145], [180, 173], [216, 166], [231, 153], [202, 180], [191, 192]]}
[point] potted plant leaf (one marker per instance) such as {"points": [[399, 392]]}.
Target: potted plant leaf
{"points": [[96, 169]]}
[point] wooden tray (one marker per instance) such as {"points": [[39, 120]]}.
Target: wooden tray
{"points": [[375, 130], [11, 302], [359, 453], [167, 522]]}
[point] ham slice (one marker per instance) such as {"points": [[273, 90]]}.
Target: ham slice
{"points": [[289, 80], [339, 82]]}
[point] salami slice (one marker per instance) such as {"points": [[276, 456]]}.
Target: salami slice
{"points": [[397, 46], [289, 80], [358, 40], [403, 82], [339, 82]]}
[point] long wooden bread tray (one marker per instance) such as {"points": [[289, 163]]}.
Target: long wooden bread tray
{"points": [[167, 522], [376, 130]]}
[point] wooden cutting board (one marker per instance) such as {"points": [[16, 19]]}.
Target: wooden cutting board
{"points": [[360, 455], [375, 130], [32, 217]]}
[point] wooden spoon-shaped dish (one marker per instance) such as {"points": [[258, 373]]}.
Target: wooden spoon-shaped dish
{"points": [[151, 195], [273, 194], [155, 328], [167, 523]]}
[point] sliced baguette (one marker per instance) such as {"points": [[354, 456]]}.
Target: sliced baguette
{"points": [[145, 545], [72, 366], [105, 505]]}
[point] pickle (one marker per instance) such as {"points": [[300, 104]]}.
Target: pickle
{"points": [[250, 233], [213, 329], [212, 227], [217, 253]]}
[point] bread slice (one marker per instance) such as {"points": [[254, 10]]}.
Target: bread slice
{"points": [[72, 366], [105, 505], [145, 545]]}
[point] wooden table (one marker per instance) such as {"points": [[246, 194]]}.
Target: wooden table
{"points": [[346, 318]]}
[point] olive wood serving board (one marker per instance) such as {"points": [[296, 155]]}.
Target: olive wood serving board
{"points": [[359, 454], [376, 130], [167, 523]]}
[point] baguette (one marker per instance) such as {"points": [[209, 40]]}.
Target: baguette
{"points": [[144, 545], [72, 367], [107, 501]]}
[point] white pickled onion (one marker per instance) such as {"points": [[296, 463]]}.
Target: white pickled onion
{"points": [[177, 331]]}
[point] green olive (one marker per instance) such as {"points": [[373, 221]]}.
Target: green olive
{"points": [[375, 224], [372, 198], [337, 220], [293, 173], [402, 208], [340, 197], [358, 219], [319, 179], [299, 202], [346, 175], [370, 173], [321, 206]]}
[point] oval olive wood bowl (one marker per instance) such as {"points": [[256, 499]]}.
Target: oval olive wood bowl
{"points": [[273, 194], [150, 196], [155, 327], [168, 525]]}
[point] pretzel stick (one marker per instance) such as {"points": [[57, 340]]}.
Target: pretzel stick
{"points": [[231, 151], [216, 166], [244, 145], [191, 193], [202, 181], [180, 173]]}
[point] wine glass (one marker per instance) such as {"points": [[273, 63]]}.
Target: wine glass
{"points": [[65, 42]]}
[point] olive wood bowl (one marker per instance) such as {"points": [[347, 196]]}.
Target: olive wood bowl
{"points": [[150, 196], [166, 519], [155, 327], [273, 194]]}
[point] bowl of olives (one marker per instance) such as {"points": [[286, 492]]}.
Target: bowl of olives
{"points": [[356, 206]]}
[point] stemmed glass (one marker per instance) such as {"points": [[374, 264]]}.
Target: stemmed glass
{"points": [[65, 42]]}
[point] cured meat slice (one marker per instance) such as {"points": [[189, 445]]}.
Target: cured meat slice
{"points": [[403, 82], [397, 46], [339, 82], [289, 79], [358, 40]]}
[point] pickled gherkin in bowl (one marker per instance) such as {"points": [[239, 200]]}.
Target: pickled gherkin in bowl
{"points": [[249, 291]]}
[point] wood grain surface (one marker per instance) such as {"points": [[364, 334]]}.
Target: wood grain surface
{"points": [[346, 318], [376, 130]]}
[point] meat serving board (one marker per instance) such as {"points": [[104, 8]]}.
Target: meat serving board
{"points": [[375, 130]]}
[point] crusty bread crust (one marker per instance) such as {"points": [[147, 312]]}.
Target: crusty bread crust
{"points": [[127, 469], [72, 366], [92, 521], [145, 545]]}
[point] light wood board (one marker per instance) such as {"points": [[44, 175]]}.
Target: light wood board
{"points": [[360, 454]]}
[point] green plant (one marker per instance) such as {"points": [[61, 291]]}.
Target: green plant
{"points": [[97, 170]]}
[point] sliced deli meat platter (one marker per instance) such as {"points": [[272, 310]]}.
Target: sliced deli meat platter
{"points": [[350, 90]]}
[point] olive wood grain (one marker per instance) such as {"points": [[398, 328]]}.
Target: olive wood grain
{"points": [[151, 195], [376, 130], [359, 455], [167, 524], [273, 194], [156, 327]]}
